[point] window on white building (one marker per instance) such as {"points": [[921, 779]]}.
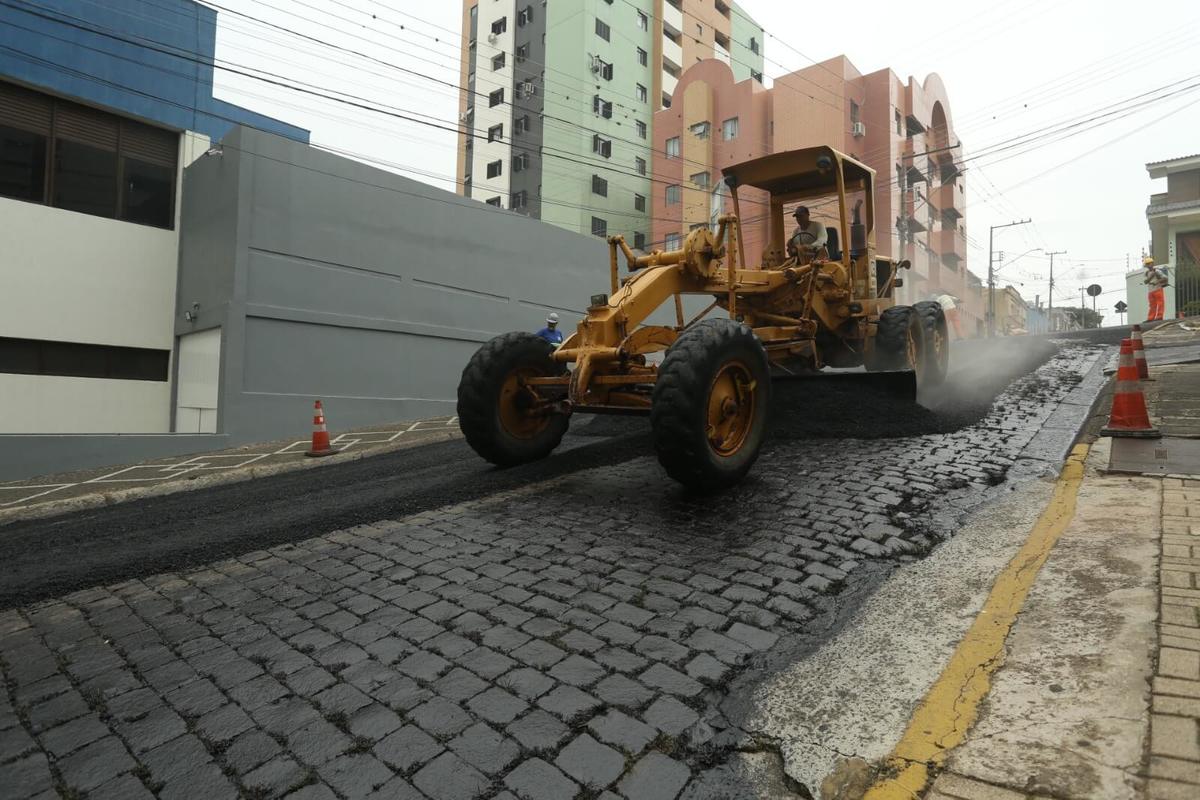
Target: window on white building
{"points": [[642, 94], [599, 227], [602, 30], [599, 186], [495, 168], [640, 128]]}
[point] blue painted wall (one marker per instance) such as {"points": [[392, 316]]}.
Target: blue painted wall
{"points": [[149, 58]]}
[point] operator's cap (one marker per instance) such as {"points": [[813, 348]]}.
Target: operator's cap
{"points": [[800, 210], [1147, 261], [553, 318]]}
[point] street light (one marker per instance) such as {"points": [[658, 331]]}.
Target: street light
{"points": [[991, 309], [1010, 263]]}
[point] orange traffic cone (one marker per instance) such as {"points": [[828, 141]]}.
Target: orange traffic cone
{"points": [[1129, 417], [1139, 354], [320, 439]]}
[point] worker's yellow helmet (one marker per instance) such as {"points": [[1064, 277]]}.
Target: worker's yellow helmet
{"points": [[1147, 261]]}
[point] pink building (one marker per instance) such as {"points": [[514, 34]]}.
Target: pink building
{"points": [[902, 130]]}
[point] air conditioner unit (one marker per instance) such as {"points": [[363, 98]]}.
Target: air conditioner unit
{"points": [[595, 63], [529, 89], [858, 129], [492, 38]]}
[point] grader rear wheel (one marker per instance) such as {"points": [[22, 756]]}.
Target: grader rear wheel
{"points": [[900, 342], [709, 408], [937, 340], [497, 412]]}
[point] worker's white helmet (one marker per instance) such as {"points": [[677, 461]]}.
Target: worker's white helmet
{"points": [[552, 319]]}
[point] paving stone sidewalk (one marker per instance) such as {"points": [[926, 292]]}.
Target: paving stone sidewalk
{"points": [[568, 640]]}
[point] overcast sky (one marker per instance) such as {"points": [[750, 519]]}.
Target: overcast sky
{"points": [[1015, 67]]}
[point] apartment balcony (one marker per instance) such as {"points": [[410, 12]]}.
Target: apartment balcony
{"points": [[672, 18], [950, 200], [916, 163], [669, 82], [911, 207], [672, 53], [720, 53], [951, 244]]}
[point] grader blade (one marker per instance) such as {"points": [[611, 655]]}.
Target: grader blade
{"points": [[899, 384]]}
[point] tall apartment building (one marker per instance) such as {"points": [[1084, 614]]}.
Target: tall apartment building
{"points": [[559, 99], [903, 130]]}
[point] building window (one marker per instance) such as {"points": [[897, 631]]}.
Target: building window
{"points": [[673, 147], [602, 30], [756, 76], [729, 129], [639, 164], [599, 186], [495, 168], [603, 68], [80, 159], [700, 179], [754, 45], [639, 202], [673, 194], [642, 94], [521, 162], [496, 132], [498, 62], [522, 52], [672, 241], [525, 16], [494, 201], [602, 107], [495, 98], [699, 29], [521, 125], [640, 127], [599, 227], [700, 130], [75, 360], [601, 145], [639, 241], [855, 113], [899, 124], [519, 200], [643, 57], [643, 22], [500, 26]]}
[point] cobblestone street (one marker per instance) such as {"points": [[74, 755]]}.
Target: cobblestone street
{"points": [[573, 638]]}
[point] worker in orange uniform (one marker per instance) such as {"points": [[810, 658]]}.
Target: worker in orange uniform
{"points": [[1156, 279]]}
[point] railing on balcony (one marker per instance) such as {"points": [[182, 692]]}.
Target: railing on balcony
{"points": [[948, 199], [672, 53], [951, 245], [672, 18]]}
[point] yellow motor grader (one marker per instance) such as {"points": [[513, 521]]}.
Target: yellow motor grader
{"points": [[798, 311]]}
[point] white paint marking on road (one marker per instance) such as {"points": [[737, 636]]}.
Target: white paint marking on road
{"points": [[49, 489]]}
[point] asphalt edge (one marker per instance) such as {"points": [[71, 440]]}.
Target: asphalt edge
{"points": [[55, 508]]}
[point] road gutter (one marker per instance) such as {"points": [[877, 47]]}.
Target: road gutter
{"points": [[951, 705]]}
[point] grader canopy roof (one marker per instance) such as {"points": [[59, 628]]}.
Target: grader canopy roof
{"points": [[797, 172]]}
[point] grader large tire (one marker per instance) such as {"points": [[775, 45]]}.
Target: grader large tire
{"points": [[900, 341], [709, 408], [937, 341], [493, 406]]}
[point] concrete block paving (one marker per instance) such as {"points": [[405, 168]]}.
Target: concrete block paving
{"points": [[558, 639]]}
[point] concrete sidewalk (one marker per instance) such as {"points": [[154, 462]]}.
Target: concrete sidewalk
{"points": [[107, 485], [1094, 699]]}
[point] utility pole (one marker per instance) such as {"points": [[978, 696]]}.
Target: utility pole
{"points": [[1082, 308], [991, 310], [1050, 297]]}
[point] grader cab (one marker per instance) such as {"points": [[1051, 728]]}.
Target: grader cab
{"points": [[705, 382]]}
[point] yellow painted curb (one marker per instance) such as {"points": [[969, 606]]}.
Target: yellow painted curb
{"points": [[950, 706]]}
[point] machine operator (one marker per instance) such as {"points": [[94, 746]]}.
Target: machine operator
{"points": [[810, 238]]}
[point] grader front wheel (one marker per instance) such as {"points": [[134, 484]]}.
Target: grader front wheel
{"points": [[709, 408], [937, 340], [499, 414]]}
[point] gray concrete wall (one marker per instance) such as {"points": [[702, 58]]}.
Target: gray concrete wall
{"points": [[359, 287], [29, 455]]}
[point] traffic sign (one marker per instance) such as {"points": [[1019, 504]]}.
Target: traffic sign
{"points": [[1094, 290], [1120, 307]]}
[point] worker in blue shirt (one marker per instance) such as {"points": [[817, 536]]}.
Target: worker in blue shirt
{"points": [[551, 333]]}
